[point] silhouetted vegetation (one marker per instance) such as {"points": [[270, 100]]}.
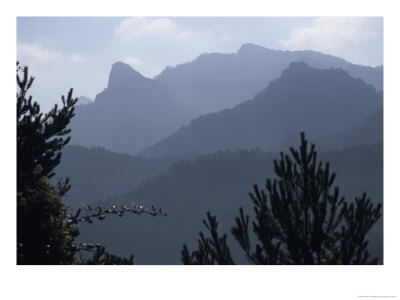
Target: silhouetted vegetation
{"points": [[96, 173], [300, 220], [219, 182], [46, 230], [43, 237], [212, 250]]}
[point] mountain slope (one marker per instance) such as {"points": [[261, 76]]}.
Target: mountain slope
{"points": [[319, 102], [368, 131], [217, 81], [132, 112], [96, 173], [219, 183]]}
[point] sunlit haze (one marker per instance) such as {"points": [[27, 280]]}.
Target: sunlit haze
{"points": [[79, 52]]}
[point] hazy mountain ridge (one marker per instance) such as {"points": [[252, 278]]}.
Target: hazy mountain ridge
{"points": [[332, 107], [219, 182], [96, 173], [135, 112], [317, 101], [368, 131], [215, 81]]}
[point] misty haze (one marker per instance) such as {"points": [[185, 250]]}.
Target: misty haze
{"points": [[270, 145]]}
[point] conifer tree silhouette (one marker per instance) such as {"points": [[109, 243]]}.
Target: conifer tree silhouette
{"points": [[301, 219], [46, 230], [43, 237], [212, 250]]}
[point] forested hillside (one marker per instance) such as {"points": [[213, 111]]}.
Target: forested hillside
{"points": [[322, 103], [134, 112], [96, 173], [220, 182], [215, 81]]}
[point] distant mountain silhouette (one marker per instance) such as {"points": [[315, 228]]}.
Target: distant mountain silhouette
{"points": [[217, 81], [368, 131], [220, 182], [96, 173], [132, 112], [319, 102]]}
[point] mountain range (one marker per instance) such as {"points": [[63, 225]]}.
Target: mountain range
{"points": [[219, 183], [134, 112], [97, 173], [318, 101], [131, 112], [215, 81], [198, 136]]}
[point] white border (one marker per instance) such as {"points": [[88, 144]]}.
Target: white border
{"points": [[181, 282]]}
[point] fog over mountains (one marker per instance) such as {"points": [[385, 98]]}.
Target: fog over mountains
{"points": [[319, 102], [135, 112], [131, 112], [219, 182], [199, 135], [216, 81], [97, 173]]}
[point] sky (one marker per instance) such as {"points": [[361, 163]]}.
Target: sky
{"points": [[78, 52]]}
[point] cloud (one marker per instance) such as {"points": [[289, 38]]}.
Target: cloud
{"points": [[149, 44], [55, 72], [164, 28], [77, 58], [35, 54], [333, 35], [139, 26]]}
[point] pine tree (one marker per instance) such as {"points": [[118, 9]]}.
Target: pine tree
{"points": [[46, 229], [40, 138], [301, 219], [43, 236], [212, 250]]}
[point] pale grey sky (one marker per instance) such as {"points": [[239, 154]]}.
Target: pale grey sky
{"points": [[78, 52]]}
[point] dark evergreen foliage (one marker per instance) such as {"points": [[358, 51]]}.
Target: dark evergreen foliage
{"points": [[212, 250], [218, 182], [301, 220], [101, 257], [43, 236], [40, 137], [46, 232]]}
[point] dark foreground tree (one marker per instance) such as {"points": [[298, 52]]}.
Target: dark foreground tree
{"points": [[46, 230], [212, 250], [300, 219], [43, 236]]}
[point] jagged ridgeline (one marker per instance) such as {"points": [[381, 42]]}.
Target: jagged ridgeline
{"points": [[134, 112], [194, 132], [323, 103]]}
